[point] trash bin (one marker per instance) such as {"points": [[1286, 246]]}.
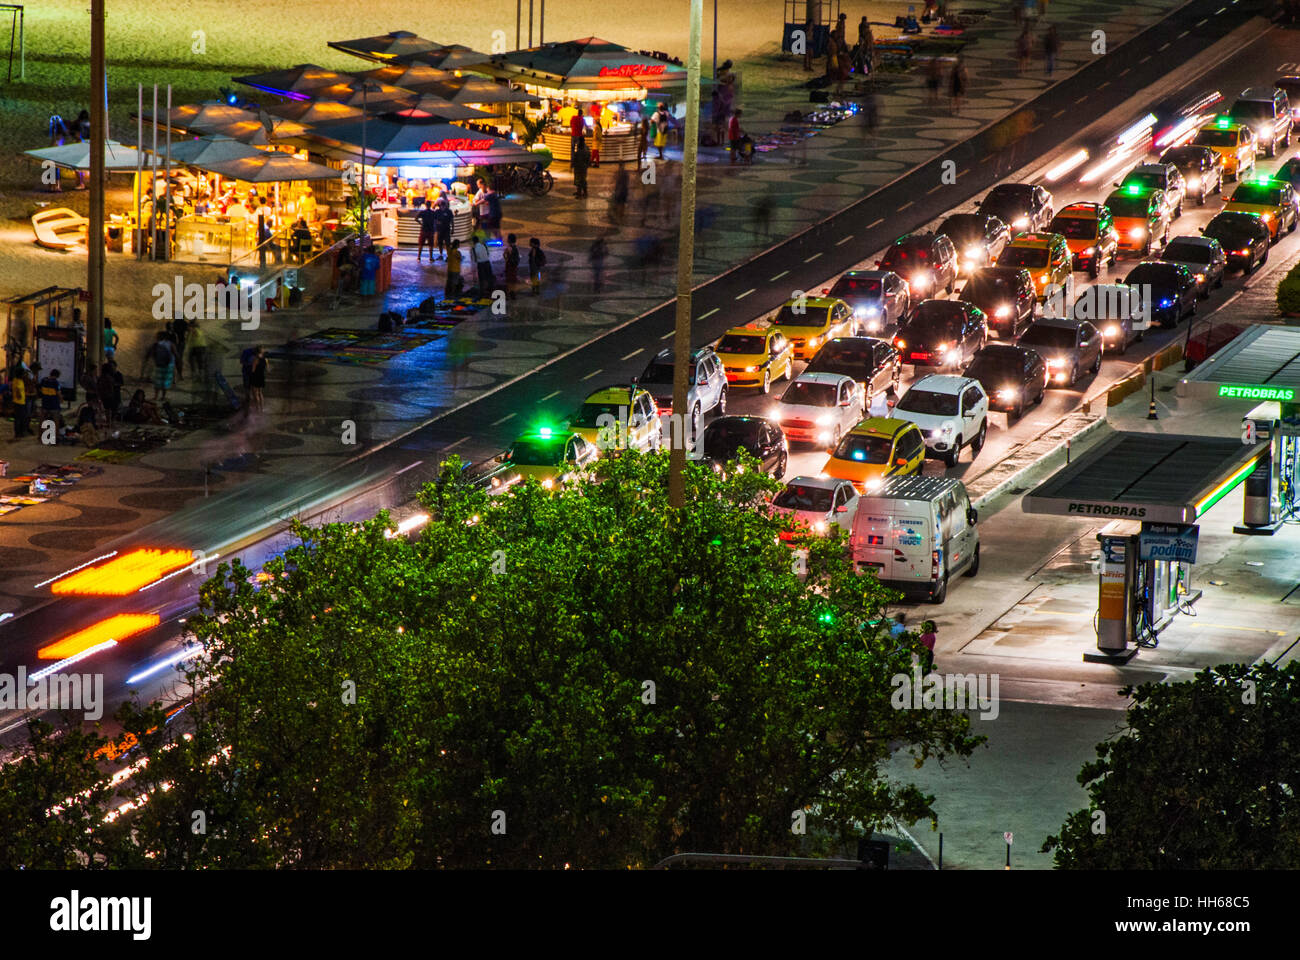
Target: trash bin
{"points": [[384, 280], [369, 273]]}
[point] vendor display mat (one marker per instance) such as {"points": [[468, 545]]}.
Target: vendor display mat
{"points": [[131, 443], [445, 314], [353, 347], [54, 478]]}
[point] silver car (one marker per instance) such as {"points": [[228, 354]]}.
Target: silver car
{"points": [[706, 389], [1203, 256]]}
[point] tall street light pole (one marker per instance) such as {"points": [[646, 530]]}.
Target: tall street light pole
{"points": [[95, 232], [686, 264]]}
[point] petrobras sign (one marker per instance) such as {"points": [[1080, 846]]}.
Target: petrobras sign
{"points": [[1175, 542]]}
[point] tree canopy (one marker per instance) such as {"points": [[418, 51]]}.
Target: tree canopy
{"points": [[584, 677]]}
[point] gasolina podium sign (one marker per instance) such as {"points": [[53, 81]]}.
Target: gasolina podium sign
{"points": [[1172, 542]]}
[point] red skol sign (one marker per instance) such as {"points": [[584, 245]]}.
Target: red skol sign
{"points": [[634, 70], [456, 143]]}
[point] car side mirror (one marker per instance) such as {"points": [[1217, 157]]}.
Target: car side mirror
{"points": [[901, 462], [842, 508], [972, 516]]}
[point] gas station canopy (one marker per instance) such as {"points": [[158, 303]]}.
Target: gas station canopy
{"points": [[1261, 364], [1149, 477]]}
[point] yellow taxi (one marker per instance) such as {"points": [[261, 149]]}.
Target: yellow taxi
{"points": [[1089, 231], [550, 456], [619, 417], [811, 322], [1141, 215], [1234, 142], [877, 448], [1046, 256], [1273, 201], [755, 356]]}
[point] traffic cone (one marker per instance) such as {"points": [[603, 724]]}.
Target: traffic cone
{"points": [[1151, 410]]}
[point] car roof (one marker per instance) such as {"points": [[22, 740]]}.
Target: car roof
{"points": [[1196, 241], [667, 355], [869, 274], [824, 302], [818, 483], [1034, 239], [882, 427], [1223, 123], [942, 383], [993, 349], [997, 271], [819, 376], [546, 435], [614, 392], [913, 239], [915, 486], [1258, 93], [858, 341], [1269, 182], [733, 419], [1012, 189], [748, 330], [1083, 206], [1066, 323], [1133, 190], [1150, 168]]}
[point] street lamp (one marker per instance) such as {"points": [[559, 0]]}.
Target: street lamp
{"points": [[367, 87]]}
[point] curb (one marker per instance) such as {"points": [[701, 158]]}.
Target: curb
{"points": [[1046, 463]]}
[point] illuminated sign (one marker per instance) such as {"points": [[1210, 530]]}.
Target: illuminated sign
{"points": [[1256, 393], [634, 70], [456, 143]]}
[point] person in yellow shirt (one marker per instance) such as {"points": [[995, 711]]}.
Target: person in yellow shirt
{"points": [[307, 206], [566, 115]]}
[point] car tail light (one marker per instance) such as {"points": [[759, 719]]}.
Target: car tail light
{"points": [[875, 541], [934, 563]]}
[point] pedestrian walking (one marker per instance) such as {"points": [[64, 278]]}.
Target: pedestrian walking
{"points": [[898, 625], [247, 358], [110, 339], [180, 334], [734, 134], [643, 141], [482, 209], [598, 251], [487, 280], [933, 78], [442, 227], [928, 639], [18, 393], [597, 140], [51, 392], [511, 258], [1024, 47], [1051, 46], [581, 162], [957, 84], [198, 340], [870, 113], [718, 115], [536, 261], [459, 350], [661, 123], [618, 198], [762, 208], [577, 131], [109, 388], [455, 282], [257, 379], [879, 405], [428, 230], [891, 399], [164, 365]]}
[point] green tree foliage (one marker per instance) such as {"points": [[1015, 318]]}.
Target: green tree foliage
{"points": [[1204, 777], [536, 679]]}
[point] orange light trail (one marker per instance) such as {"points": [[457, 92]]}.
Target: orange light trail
{"points": [[124, 574], [118, 628]]}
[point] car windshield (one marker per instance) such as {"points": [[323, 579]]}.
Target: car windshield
{"points": [[721, 441], [928, 401], [1181, 251], [1250, 110], [806, 317], [1147, 181], [964, 227], [1183, 157], [1238, 225], [994, 367], [843, 355], [1258, 193], [1075, 228], [1043, 336], [982, 288], [859, 286], [658, 372], [864, 449], [933, 319], [1217, 138], [1137, 207], [742, 343], [798, 497], [532, 453], [1023, 257], [591, 413], [1159, 274], [810, 394], [906, 254]]}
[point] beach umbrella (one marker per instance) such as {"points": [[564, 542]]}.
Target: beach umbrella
{"points": [[590, 65], [479, 90], [309, 113], [352, 93], [209, 113], [296, 82], [272, 166], [431, 105], [408, 76], [388, 142], [386, 46], [452, 56], [76, 156], [208, 152]]}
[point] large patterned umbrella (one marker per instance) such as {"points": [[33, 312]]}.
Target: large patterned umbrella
{"points": [[385, 47], [76, 156], [296, 82], [390, 143]]}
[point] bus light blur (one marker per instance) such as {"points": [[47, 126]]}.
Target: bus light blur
{"points": [[115, 628], [124, 574]]}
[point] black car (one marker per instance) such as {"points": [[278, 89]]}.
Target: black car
{"points": [[1006, 296], [1243, 236], [1024, 207], [1172, 289], [1290, 172], [943, 334], [1012, 376], [761, 438], [927, 261], [1201, 167], [879, 298], [873, 363], [979, 239]]}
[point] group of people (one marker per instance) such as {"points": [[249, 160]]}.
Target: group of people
{"points": [[843, 60], [928, 638], [956, 81], [485, 273], [1025, 47]]}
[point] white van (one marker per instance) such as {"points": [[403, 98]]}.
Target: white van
{"points": [[916, 532]]}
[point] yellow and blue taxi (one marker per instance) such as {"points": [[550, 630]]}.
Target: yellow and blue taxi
{"points": [[811, 322], [619, 417], [1273, 201], [877, 448], [550, 456], [1046, 256], [1234, 143], [755, 356]]}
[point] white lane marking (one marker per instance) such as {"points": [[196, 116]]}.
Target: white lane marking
{"points": [[844, 240], [668, 335], [778, 276], [1201, 23], [813, 257], [1124, 71], [705, 316], [1082, 98], [874, 222], [933, 189], [1181, 35], [1220, 10], [1165, 47], [457, 443], [633, 353], [1103, 86], [553, 393], [502, 420], [592, 374], [1058, 113], [906, 205], [742, 296]]}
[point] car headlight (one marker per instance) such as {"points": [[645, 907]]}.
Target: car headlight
{"points": [[1193, 183], [875, 483], [1137, 233], [1200, 277], [1055, 362], [548, 483], [944, 431], [921, 281], [1112, 330], [776, 413], [824, 437], [901, 343], [1266, 217], [867, 310], [974, 253], [942, 348], [1090, 251], [751, 370], [1020, 223], [1166, 302], [825, 420], [1009, 393], [1060, 376], [813, 341], [1002, 312]]}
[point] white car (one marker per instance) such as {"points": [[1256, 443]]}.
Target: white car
{"points": [[951, 411], [819, 502], [819, 408]]}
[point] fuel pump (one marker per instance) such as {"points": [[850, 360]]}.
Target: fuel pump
{"points": [[1270, 491]]}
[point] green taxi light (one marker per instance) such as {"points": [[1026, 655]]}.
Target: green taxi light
{"points": [[544, 433], [1133, 189], [1223, 123]]}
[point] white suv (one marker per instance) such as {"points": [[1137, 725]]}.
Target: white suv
{"points": [[951, 411]]}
